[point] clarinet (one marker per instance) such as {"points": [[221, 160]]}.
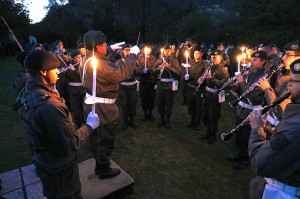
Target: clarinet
{"points": [[253, 86], [233, 79], [202, 79], [226, 136]]}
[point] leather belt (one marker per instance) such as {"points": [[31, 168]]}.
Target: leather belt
{"points": [[90, 100], [248, 106], [284, 187], [166, 79], [128, 83], [75, 84], [212, 90]]}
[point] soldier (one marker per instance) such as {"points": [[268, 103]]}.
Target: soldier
{"points": [[167, 69], [194, 99], [22, 75], [277, 159], [188, 47], [214, 78], [109, 76], [225, 59], [128, 93], [147, 82], [255, 99], [74, 88], [50, 129]]}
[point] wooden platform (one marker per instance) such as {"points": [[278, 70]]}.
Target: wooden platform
{"points": [[23, 183]]}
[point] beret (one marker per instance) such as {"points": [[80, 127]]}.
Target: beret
{"points": [[188, 39], [93, 38], [57, 41], [41, 60], [263, 55], [198, 48], [37, 45], [293, 46], [167, 46], [126, 46], [295, 66], [75, 53], [216, 52], [265, 44]]}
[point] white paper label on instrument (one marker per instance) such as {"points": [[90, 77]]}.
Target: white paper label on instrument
{"points": [[221, 96]]}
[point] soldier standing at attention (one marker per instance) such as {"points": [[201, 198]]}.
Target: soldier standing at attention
{"points": [[167, 70], [128, 93], [50, 129], [109, 76], [74, 88], [214, 78], [147, 82], [194, 99]]}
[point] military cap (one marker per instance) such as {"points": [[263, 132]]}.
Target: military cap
{"points": [[265, 44], [220, 44], [57, 42], [93, 38], [75, 53], [293, 46], [21, 56], [80, 45], [263, 55], [126, 46], [41, 60], [167, 46], [188, 39], [216, 52], [198, 48], [295, 66], [38, 45]]}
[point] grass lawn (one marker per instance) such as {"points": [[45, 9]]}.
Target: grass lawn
{"points": [[171, 163]]}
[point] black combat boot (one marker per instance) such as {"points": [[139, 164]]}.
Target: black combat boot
{"points": [[212, 138], [150, 116], [132, 123], [145, 116], [197, 126], [162, 121], [109, 173], [125, 124], [191, 123], [168, 122]]}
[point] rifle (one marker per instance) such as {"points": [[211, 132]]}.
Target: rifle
{"points": [[11, 32]]}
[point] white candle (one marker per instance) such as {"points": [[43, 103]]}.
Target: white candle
{"points": [[187, 57], [239, 63], [94, 64], [244, 56], [145, 51]]}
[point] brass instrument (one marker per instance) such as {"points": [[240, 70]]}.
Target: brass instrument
{"points": [[233, 78], [226, 136], [253, 86], [201, 79]]}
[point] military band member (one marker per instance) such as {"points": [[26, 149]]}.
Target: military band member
{"points": [[214, 78], [147, 82], [255, 99], [109, 76], [128, 93], [50, 129], [167, 69], [277, 159], [194, 98]]}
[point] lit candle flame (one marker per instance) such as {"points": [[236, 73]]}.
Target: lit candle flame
{"points": [[242, 49], [239, 57]]}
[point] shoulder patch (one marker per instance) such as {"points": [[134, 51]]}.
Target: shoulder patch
{"points": [[279, 142]]}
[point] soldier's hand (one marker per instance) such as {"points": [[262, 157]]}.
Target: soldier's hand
{"points": [[93, 120], [263, 83], [134, 50], [239, 78], [117, 46]]}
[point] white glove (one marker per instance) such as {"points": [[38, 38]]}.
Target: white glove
{"points": [[93, 120], [117, 46], [134, 50]]}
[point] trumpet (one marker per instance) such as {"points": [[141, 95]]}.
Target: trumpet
{"points": [[227, 136], [201, 79], [253, 86], [234, 78]]}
